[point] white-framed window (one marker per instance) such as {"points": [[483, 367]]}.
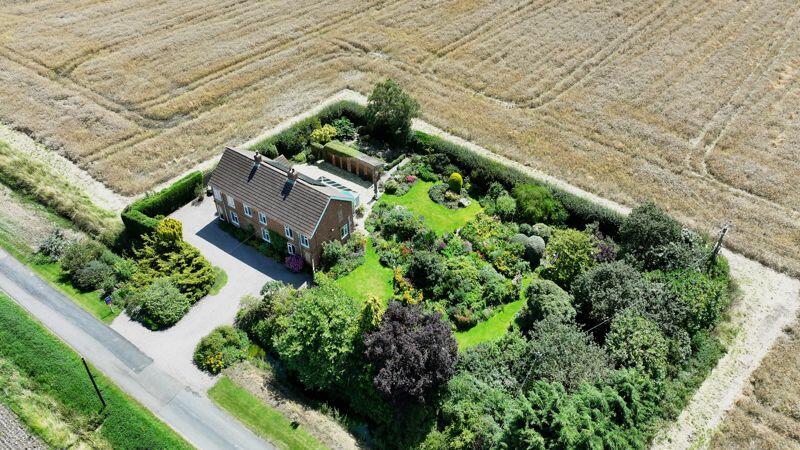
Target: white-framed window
{"points": [[265, 235], [304, 241], [290, 248], [234, 217], [248, 211], [231, 201], [345, 230], [221, 212], [288, 232], [217, 194], [262, 218]]}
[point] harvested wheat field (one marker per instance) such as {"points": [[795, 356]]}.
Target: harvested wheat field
{"points": [[692, 103]]}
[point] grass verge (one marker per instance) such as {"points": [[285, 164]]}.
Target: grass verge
{"points": [[38, 182], [54, 370], [437, 217], [260, 418], [370, 278]]}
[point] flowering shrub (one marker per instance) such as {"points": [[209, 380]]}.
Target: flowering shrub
{"points": [[410, 179], [294, 263]]}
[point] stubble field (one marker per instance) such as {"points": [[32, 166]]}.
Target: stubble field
{"points": [[695, 104]]}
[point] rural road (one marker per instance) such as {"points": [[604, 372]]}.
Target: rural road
{"points": [[192, 415]]}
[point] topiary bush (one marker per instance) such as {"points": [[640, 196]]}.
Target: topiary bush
{"points": [[158, 305], [533, 247], [221, 348], [542, 230], [455, 182]]}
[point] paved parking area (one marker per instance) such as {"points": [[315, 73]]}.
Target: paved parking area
{"points": [[247, 271]]}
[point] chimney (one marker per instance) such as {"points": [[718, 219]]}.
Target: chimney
{"points": [[292, 174], [257, 158]]}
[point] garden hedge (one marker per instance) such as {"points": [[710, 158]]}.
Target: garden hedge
{"points": [[140, 216], [483, 171]]}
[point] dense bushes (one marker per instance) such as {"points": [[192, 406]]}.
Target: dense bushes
{"points": [[536, 204], [221, 348], [637, 342], [605, 290], [413, 354], [89, 265], [158, 305], [142, 216], [544, 299], [567, 254], [296, 138]]}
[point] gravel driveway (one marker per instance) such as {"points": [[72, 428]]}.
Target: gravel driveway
{"points": [[247, 271]]}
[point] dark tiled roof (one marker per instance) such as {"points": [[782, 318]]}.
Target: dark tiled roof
{"points": [[266, 188]]}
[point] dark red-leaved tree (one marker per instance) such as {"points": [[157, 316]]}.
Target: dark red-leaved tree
{"points": [[414, 353]]}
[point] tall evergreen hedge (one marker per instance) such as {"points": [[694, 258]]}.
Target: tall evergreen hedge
{"points": [[140, 216]]}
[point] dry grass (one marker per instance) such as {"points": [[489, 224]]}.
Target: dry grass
{"points": [[691, 103], [768, 416]]}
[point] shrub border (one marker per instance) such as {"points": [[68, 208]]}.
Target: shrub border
{"points": [[139, 216]]}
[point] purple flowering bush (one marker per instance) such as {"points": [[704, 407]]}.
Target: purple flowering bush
{"points": [[294, 263]]}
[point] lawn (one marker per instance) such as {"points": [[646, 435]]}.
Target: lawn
{"points": [[490, 329], [370, 278], [437, 217], [260, 418], [53, 369]]}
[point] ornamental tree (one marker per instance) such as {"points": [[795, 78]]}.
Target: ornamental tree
{"points": [[568, 254], [455, 182], [413, 353], [390, 110]]}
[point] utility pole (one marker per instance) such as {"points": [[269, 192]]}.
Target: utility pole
{"points": [[96, 389], [718, 245]]}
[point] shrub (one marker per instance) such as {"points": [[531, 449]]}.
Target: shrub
{"points": [[568, 254], [158, 305], [221, 348], [561, 352], [505, 207], [169, 230], [333, 252], [544, 299], [533, 247], [345, 130], [426, 270], [606, 289], [140, 216], [703, 298], [317, 339], [390, 187], [294, 263], [645, 233], [53, 245], [414, 354], [270, 151], [78, 253], [536, 204], [262, 318], [390, 110], [401, 223], [636, 342], [542, 230], [323, 134], [162, 256], [455, 182], [92, 276]]}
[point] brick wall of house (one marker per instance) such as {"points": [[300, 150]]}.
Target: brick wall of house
{"points": [[337, 214]]}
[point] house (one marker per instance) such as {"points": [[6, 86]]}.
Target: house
{"points": [[266, 194]]}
